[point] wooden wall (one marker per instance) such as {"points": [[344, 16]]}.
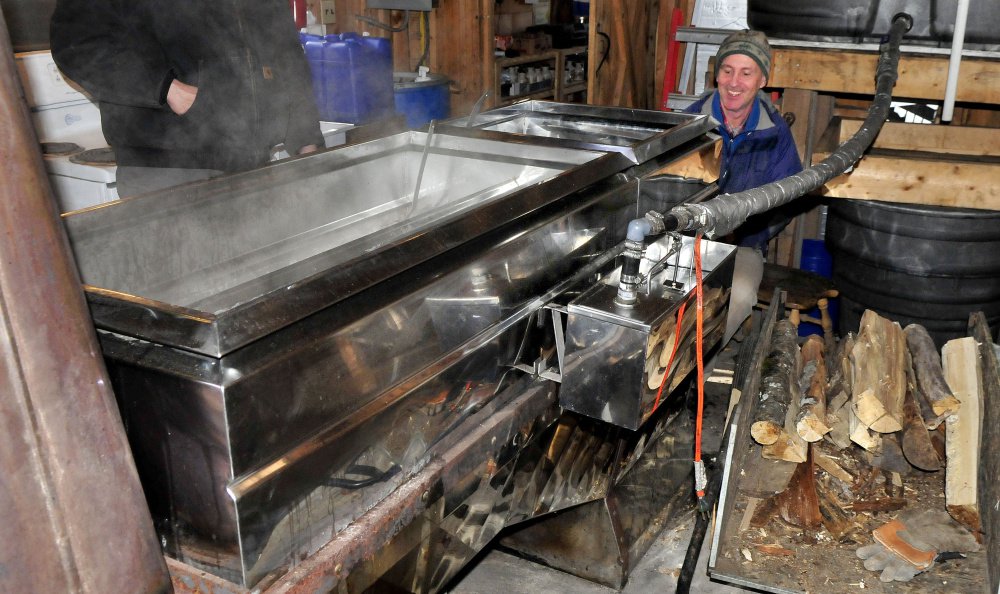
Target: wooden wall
{"points": [[458, 38], [620, 67]]}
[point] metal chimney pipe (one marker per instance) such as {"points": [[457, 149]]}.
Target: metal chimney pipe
{"points": [[74, 515]]}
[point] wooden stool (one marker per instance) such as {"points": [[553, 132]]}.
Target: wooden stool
{"points": [[804, 290]]}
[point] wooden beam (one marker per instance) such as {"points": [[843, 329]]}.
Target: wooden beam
{"points": [[461, 45], [929, 138], [623, 78], [989, 449], [487, 29], [919, 181], [961, 368], [661, 45], [920, 77], [703, 164]]}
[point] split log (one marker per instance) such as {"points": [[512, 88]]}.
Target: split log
{"points": [[879, 384], [831, 467], [789, 447], [654, 373], [838, 392], [762, 477], [931, 420], [711, 302], [836, 520], [963, 374], [860, 434], [810, 422], [837, 420], [776, 382], [841, 371], [778, 407], [656, 362], [878, 505], [871, 411], [927, 367], [890, 456], [798, 504], [916, 442]]}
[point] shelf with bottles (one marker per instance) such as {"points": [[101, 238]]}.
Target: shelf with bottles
{"points": [[573, 73], [533, 76]]}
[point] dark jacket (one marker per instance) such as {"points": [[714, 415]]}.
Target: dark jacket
{"points": [[254, 87], [761, 153]]}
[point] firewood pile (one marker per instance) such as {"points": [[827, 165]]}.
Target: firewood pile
{"points": [[870, 444]]}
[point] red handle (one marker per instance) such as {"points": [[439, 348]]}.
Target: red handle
{"points": [[673, 56], [298, 12]]}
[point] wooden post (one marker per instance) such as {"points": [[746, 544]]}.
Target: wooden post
{"points": [[813, 113], [961, 370]]}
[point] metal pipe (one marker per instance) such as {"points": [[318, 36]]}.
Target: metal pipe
{"points": [[651, 224], [423, 163], [73, 512], [477, 108], [725, 213], [955, 61]]}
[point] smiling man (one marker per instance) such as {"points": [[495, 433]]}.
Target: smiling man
{"points": [[757, 146]]}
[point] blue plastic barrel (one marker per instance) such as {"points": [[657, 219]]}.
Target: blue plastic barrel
{"points": [[815, 258], [313, 46], [352, 76], [421, 101]]}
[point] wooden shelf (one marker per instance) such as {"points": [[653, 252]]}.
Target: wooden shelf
{"points": [[564, 89], [572, 51], [548, 58], [527, 59], [546, 94], [556, 60]]}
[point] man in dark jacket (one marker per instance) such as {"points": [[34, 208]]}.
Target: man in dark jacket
{"points": [[757, 146], [189, 89]]}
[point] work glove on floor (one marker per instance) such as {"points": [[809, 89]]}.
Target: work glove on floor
{"points": [[909, 545]]}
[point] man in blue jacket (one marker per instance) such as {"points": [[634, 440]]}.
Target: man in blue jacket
{"points": [[757, 146], [192, 89]]}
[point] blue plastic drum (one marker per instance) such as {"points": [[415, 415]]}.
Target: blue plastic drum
{"points": [[352, 76], [421, 101]]}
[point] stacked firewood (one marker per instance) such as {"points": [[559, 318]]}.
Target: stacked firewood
{"points": [[881, 403], [666, 347]]}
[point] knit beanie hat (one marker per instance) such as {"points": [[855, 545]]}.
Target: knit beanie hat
{"points": [[749, 43]]}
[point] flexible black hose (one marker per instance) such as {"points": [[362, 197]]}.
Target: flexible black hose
{"points": [[725, 213], [686, 574], [607, 50]]}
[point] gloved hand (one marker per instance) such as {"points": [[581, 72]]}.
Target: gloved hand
{"points": [[910, 544]]}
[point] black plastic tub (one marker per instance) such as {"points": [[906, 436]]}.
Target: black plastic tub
{"points": [[915, 264], [869, 20]]}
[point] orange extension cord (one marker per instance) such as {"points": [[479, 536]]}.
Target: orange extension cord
{"points": [[701, 479]]}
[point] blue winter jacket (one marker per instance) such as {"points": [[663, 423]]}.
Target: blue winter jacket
{"points": [[760, 154], [763, 152]]}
